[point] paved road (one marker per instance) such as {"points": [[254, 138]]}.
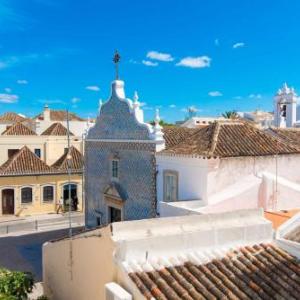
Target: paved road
{"points": [[24, 253]]}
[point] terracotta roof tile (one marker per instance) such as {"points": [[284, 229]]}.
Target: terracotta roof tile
{"points": [[173, 135], [56, 129], [76, 162], [11, 117], [24, 162], [230, 139], [18, 129], [60, 115], [261, 271], [288, 135]]}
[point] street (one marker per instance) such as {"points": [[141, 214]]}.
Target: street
{"points": [[24, 252]]}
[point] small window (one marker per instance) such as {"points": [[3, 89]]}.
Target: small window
{"points": [[48, 193], [37, 152], [26, 195], [12, 152], [115, 168], [170, 186]]}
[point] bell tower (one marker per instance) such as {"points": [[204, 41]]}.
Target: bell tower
{"points": [[285, 107]]}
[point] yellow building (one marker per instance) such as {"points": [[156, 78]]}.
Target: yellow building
{"points": [[29, 186]]}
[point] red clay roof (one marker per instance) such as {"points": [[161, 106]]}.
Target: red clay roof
{"points": [[11, 117], [56, 129], [279, 217], [173, 135], [261, 271], [24, 162], [18, 129], [76, 161], [60, 115], [230, 139], [288, 135]]}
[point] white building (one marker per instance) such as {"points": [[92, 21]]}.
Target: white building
{"points": [[226, 166], [197, 122], [44, 120], [286, 108], [261, 119]]}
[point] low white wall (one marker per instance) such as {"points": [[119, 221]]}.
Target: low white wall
{"points": [[232, 170]]}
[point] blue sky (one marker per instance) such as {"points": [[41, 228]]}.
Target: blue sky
{"points": [[215, 55]]}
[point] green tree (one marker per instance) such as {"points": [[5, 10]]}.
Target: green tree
{"points": [[162, 123], [231, 114], [15, 284]]}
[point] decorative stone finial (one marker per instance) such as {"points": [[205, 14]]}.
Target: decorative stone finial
{"points": [[100, 105], [157, 118], [135, 96]]}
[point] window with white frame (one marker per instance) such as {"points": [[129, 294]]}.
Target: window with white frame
{"points": [[26, 195], [170, 186], [115, 168], [48, 193]]}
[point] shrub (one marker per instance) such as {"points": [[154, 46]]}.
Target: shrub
{"points": [[16, 284]]}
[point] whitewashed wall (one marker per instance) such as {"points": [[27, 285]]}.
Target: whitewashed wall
{"points": [[192, 176]]}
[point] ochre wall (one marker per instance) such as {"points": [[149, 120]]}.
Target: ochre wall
{"points": [[78, 269], [37, 182]]}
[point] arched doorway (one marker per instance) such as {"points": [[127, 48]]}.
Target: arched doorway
{"points": [[8, 202], [74, 197]]}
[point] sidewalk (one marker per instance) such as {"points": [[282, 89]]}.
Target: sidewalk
{"points": [[14, 226]]}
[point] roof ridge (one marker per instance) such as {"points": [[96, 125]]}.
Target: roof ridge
{"points": [[18, 125], [215, 135], [14, 157]]}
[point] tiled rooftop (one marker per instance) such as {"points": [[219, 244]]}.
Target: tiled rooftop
{"points": [[24, 162], [173, 135], [18, 129], [76, 161], [288, 135], [11, 117], [60, 115], [56, 129], [229, 139], [294, 235], [262, 271]]}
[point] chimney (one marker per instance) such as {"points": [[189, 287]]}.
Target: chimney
{"points": [[46, 113]]}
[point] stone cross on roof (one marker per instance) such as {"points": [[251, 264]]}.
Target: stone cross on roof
{"points": [[116, 60]]}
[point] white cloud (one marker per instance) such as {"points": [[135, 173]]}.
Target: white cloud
{"points": [[94, 88], [238, 45], [75, 100], [22, 81], [8, 90], [8, 98], [51, 101], [215, 94], [237, 97], [149, 63], [195, 62], [192, 108], [159, 56], [172, 106], [255, 96]]}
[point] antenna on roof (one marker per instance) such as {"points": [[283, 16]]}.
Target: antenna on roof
{"points": [[69, 175], [69, 157]]}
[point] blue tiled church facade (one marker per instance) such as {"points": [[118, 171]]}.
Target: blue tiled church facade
{"points": [[118, 134]]}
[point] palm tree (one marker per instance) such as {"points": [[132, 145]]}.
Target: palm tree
{"points": [[231, 114]]}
